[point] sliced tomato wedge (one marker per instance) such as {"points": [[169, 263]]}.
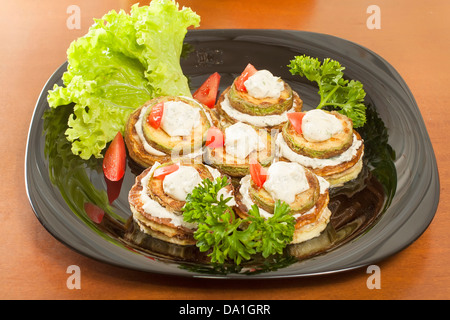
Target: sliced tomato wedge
{"points": [[258, 173], [156, 114], [161, 172], [207, 92], [214, 138], [115, 158], [296, 118], [248, 71]]}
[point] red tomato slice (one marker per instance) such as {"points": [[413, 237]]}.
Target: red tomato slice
{"points": [[214, 138], [207, 93], [258, 174], [239, 82], [160, 173], [115, 158], [156, 114], [94, 212], [296, 118]]}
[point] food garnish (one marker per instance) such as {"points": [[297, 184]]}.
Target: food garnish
{"points": [[161, 172], [248, 72], [123, 61], [235, 238], [295, 118], [337, 93], [258, 173], [115, 159], [214, 138], [156, 114], [207, 92]]}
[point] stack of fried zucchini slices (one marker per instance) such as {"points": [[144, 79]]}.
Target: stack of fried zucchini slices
{"points": [[239, 106], [265, 115], [157, 212], [309, 208], [337, 159], [147, 145]]}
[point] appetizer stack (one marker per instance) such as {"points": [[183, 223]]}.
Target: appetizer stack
{"points": [[167, 128], [324, 142], [257, 134], [159, 194], [259, 99]]}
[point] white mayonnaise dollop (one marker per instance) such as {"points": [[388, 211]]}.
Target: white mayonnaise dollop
{"points": [[180, 183], [263, 84], [318, 125], [152, 207], [241, 139], [285, 180], [179, 118]]}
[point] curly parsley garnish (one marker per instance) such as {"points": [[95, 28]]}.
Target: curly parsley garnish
{"points": [[344, 96], [235, 238]]}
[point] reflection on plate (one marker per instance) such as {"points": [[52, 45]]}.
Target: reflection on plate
{"points": [[384, 210]]}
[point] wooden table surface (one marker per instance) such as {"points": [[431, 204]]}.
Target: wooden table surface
{"points": [[414, 37]]}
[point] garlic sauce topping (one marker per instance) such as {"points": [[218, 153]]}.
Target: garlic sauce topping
{"points": [[263, 84], [285, 180], [181, 182], [241, 139], [179, 118], [318, 125]]}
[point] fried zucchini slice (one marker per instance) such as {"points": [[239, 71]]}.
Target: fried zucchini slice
{"points": [[245, 103], [224, 117], [235, 167], [303, 201], [323, 149], [160, 140], [156, 189]]}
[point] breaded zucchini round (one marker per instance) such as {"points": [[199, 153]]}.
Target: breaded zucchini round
{"points": [[245, 103], [157, 212], [234, 166], [335, 145], [228, 114], [147, 145], [303, 201]]}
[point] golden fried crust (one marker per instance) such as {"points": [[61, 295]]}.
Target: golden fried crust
{"points": [[245, 103], [312, 215], [331, 170], [161, 228], [157, 193], [302, 203], [236, 167], [343, 172], [322, 149], [135, 147], [223, 116]]}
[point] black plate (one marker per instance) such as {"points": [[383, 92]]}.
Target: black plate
{"points": [[386, 210]]}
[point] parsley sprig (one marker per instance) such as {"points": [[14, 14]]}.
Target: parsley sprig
{"points": [[232, 238], [344, 96]]}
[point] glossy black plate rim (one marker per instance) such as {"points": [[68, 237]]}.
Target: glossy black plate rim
{"points": [[404, 221]]}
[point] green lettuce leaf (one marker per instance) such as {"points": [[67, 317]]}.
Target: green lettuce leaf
{"points": [[123, 61]]}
